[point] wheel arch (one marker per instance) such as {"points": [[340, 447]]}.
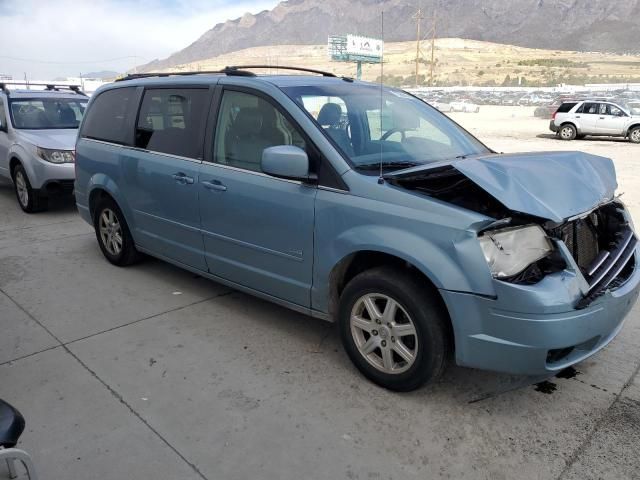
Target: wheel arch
{"points": [[631, 127], [14, 161], [359, 261], [101, 186]]}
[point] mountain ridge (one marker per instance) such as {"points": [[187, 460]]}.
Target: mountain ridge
{"points": [[580, 25]]}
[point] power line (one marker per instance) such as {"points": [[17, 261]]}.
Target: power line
{"points": [[418, 17], [87, 62]]}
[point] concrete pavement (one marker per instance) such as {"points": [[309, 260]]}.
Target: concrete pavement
{"points": [[150, 372]]}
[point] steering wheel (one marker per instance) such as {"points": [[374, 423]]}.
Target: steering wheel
{"points": [[388, 133]]}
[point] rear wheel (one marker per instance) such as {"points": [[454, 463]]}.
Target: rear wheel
{"points": [[113, 234], [568, 132], [29, 198], [394, 329], [634, 135]]}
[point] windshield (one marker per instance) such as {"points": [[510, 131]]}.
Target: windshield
{"points": [[389, 127], [47, 113]]}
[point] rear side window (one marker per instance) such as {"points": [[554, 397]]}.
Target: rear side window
{"points": [[106, 119], [170, 121], [589, 108], [566, 107]]}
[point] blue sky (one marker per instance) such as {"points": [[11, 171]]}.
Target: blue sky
{"points": [[47, 39]]}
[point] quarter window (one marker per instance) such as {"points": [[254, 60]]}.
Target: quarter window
{"points": [[106, 119], [170, 121], [247, 124]]}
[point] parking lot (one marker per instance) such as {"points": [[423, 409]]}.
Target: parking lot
{"points": [[151, 372]]}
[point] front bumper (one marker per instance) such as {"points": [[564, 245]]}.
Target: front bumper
{"points": [[553, 127], [535, 329], [42, 173]]}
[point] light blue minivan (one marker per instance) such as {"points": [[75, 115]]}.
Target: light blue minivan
{"points": [[363, 205]]}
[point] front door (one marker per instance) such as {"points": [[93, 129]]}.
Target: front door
{"points": [[612, 120], [160, 174], [258, 229]]}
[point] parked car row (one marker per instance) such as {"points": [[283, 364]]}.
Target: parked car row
{"points": [[395, 223], [546, 103]]}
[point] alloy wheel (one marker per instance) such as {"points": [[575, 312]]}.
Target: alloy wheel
{"points": [[566, 133], [384, 333], [22, 189], [110, 232], [635, 135]]}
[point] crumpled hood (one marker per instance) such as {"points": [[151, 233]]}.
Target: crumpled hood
{"points": [[60, 139], [551, 185]]}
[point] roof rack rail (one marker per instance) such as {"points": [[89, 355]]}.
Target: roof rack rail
{"points": [[232, 70], [133, 76], [48, 86], [280, 67]]}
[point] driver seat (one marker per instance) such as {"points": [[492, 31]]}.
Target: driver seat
{"points": [[11, 427], [329, 120]]}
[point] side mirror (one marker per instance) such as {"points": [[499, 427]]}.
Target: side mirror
{"points": [[286, 161]]}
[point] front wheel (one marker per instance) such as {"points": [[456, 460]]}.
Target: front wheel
{"points": [[394, 329], [568, 132], [113, 234], [634, 135], [29, 198]]}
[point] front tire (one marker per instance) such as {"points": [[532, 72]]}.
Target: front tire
{"points": [[634, 135], [568, 132], [29, 199], [394, 329], [113, 234]]}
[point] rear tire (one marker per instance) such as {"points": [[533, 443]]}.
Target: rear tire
{"points": [[568, 132], [29, 199], [113, 234], [394, 328], [634, 135]]}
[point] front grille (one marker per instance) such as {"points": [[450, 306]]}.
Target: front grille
{"points": [[581, 238], [603, 246]]}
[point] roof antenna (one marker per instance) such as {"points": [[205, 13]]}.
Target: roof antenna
{"points": [[381, 178]]}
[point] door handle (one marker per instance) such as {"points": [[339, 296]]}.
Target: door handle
{"points": [[577, 116], [182, 178], [601, 118], [216, 185]]}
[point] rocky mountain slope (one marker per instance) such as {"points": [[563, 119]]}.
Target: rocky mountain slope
{"points": [[583, 25]]}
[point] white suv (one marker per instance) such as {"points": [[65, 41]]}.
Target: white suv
{"points": [[577, 119]]}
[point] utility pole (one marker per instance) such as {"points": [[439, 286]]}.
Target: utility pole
{"points": [[418, 17], [433, 48]]}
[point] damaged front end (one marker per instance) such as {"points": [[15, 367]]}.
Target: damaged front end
{"points": [[543, 235]]}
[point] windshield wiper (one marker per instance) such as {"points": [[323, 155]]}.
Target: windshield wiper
{"points": [[386, 165]]}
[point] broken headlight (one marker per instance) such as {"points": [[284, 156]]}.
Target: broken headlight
{"points": [[509, 251]]}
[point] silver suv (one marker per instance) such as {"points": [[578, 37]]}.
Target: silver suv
{"points": [[577, 119], [38, 131]]}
